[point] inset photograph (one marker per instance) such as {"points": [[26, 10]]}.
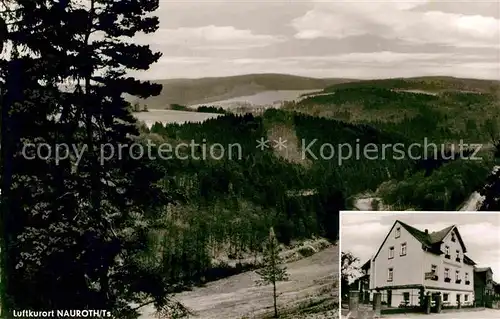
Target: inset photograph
{"points": [[443, 264]]}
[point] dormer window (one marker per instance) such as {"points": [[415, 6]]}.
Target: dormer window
{"points": [[453, 239], [398, 232], [403, 249]]}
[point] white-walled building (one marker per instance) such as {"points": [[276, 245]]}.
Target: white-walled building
{"points": [[411, 262]]}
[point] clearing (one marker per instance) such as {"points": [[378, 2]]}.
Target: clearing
{"points": [[311, 280]]}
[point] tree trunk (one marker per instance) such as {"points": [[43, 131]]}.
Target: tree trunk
{"points": [[274, 297]]}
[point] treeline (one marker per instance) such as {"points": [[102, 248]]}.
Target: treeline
{"points": [[211, 109], [201, 109]]}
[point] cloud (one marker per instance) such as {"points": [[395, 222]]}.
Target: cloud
{"points": [[360, 66], [183, 60], [396, 20], [354, 218], [381, 64], [213, 37]]}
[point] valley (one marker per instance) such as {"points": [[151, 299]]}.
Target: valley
{"points": [[232, 203]]}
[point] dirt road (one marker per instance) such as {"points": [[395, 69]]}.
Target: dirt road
{"points": [[238, 296]]}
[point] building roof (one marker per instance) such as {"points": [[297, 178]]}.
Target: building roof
{"points": [[431, 242], [482, 269], [366, 265], [469, 261]]}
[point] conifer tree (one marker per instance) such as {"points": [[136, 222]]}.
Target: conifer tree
{"points": [[273, 270], [491, 193], [76, 233]]}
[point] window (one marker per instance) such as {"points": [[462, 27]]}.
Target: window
{"points": [[406, 296], [403, 249], [458, 298], [445, 297], [458, 256], [434, 269], [390, 274], [398, 232], [453, 237], [466, 297], [447, 252], [446, 273], [391, 252], [457, 275]]}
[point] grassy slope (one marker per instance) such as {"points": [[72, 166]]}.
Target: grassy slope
{"points": [[206, 90], [311, 280]]}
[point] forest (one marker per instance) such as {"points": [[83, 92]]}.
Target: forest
{"points": [[446, 117], [231, 203]]}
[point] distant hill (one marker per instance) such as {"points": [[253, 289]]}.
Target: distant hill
{"points": [[431, 84], [206, 90]]}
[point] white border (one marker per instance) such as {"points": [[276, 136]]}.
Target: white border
{"points": [[387, 213]]}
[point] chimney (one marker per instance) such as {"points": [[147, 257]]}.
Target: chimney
{"points": [[426, 231]]}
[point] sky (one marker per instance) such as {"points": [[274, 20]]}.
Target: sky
{"points": [[326, 38], [363, 233]]}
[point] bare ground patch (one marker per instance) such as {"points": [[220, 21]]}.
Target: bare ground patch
{"points": [[291, 150], [239, 297]]}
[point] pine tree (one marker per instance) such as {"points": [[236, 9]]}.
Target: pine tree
{"points": [[78, 233], [273, 271], [348, 269]]}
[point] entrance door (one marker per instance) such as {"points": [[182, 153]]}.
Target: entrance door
{"points": [[389, 298]]}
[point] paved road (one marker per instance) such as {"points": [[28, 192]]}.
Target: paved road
{"points": [[481, 314]]}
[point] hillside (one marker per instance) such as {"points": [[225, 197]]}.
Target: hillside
{"points": [[206, 90], [433, 84], [210, 238], [441, 109], [312, 281]]}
